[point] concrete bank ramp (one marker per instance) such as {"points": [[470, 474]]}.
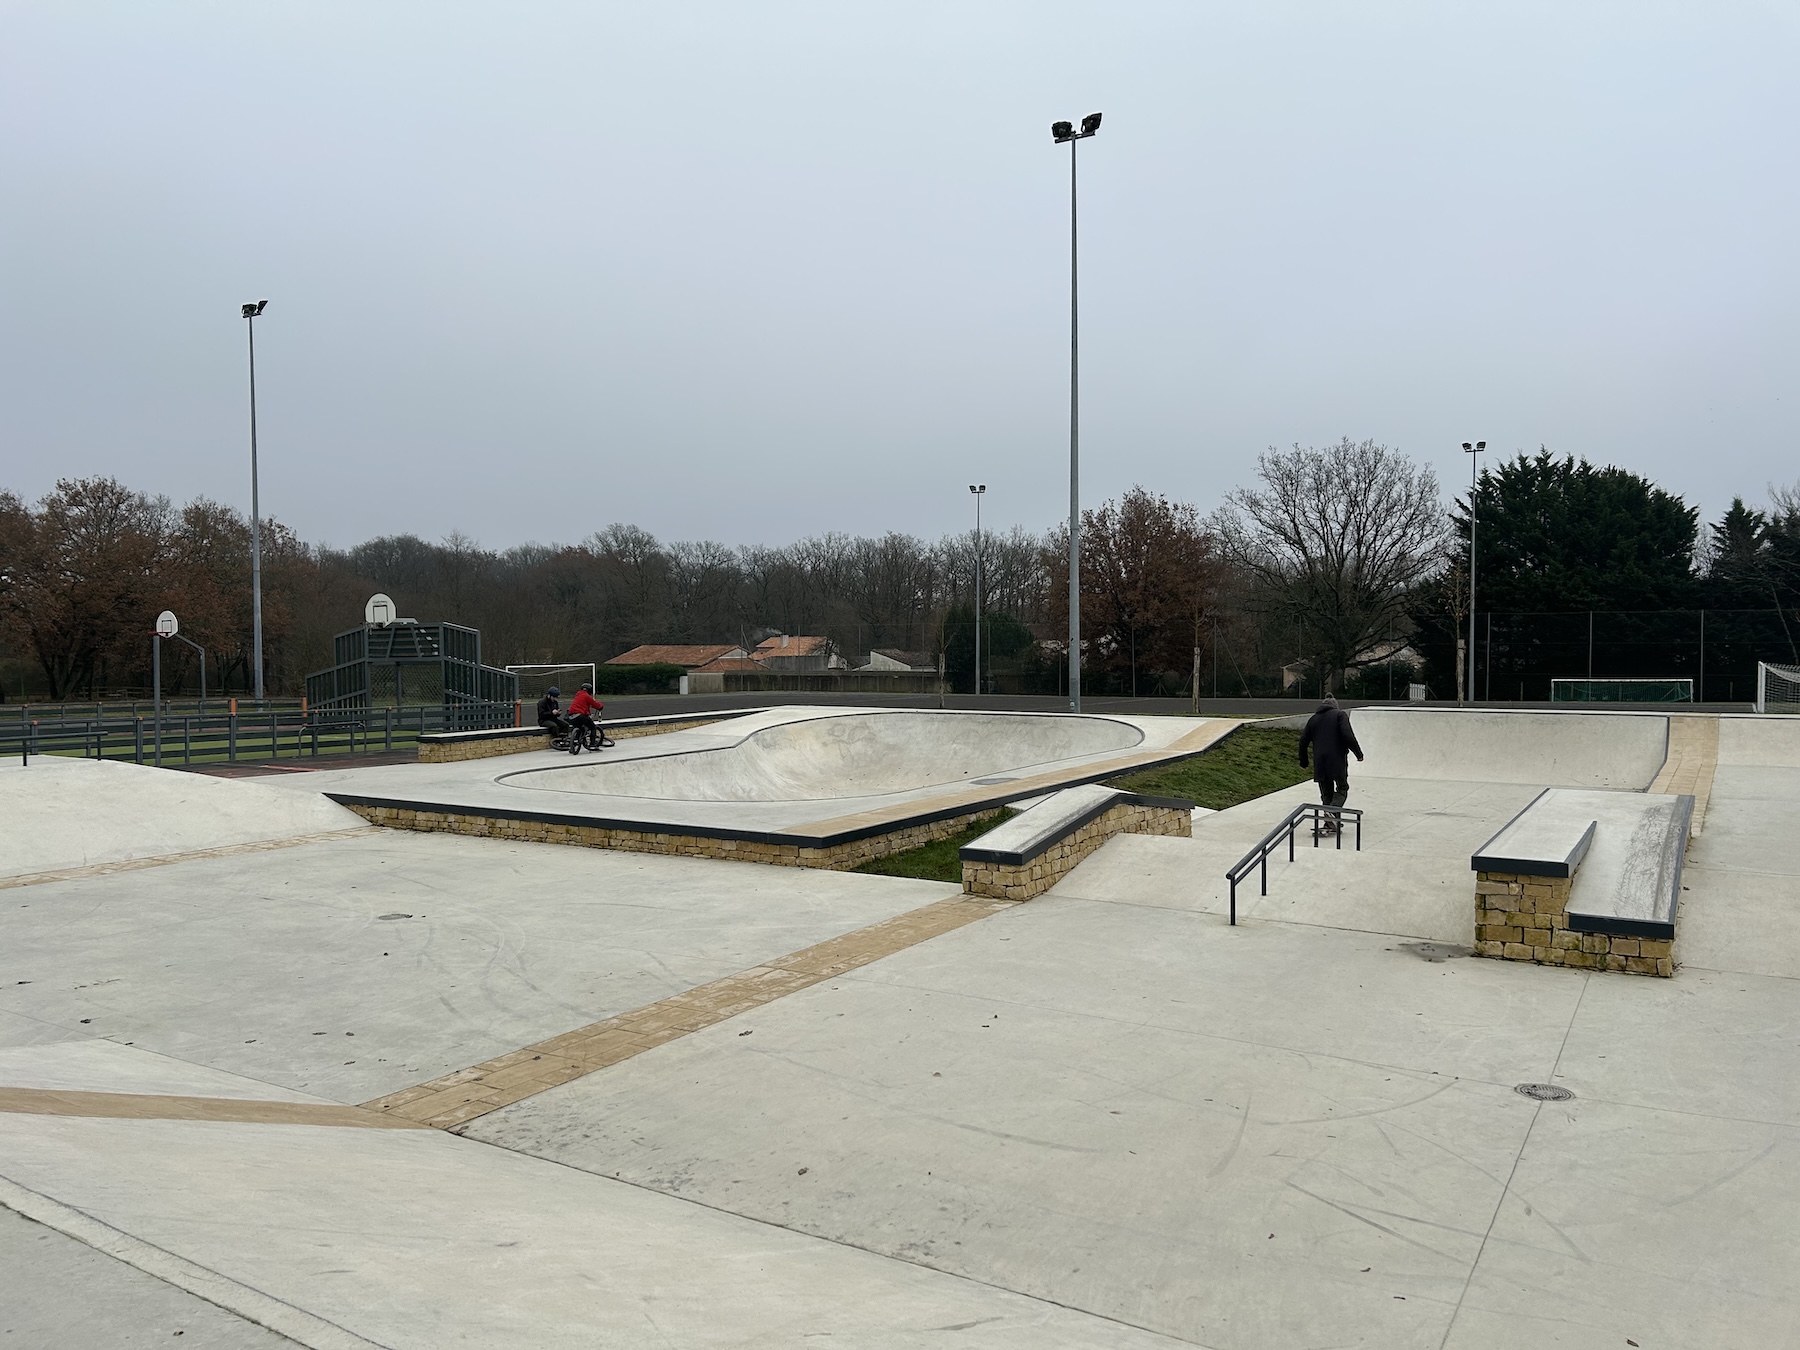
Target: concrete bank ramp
{"points": [[1759, 742], [61, 813], [864, 754], [1550, 749]]}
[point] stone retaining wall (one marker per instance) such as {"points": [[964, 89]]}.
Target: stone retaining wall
{"points": [[529, 739], [779, 853], [1525, 918], [1037, 875]]}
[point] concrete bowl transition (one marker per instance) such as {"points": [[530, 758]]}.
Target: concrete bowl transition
{"points": [[871, 754]]}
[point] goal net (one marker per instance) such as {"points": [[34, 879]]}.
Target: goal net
{"points": [[534, 680], [1777, 688], [1622, 691]]}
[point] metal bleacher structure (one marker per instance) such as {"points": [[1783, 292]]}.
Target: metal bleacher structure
{"points": [[402, 663]]}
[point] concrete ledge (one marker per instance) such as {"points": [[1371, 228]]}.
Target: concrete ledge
{"points": [[1541, 841], [1027, 855], [1614, 907]]}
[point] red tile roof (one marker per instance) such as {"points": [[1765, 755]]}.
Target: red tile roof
{"points": [[691, 657]]}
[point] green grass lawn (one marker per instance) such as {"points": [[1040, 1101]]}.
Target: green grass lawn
{"points": [[935, 861], [1250, 763], [1247, 764]]}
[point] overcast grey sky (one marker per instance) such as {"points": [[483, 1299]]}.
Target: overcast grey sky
{"points": [[753, 270]]}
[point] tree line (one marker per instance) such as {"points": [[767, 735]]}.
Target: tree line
{"points": [[1331, 559]]}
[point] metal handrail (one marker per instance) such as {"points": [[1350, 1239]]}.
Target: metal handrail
{"points": [[1259, 855]]}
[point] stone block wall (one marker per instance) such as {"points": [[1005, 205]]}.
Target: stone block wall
{"points": [[1525, 918], [485, 747], [1039, 874], [834, 857]]}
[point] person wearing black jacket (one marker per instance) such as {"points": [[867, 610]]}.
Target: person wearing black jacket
{"points": [[1329, 736], [550, 712]]}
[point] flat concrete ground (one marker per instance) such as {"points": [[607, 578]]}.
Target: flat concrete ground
{"points": [[1102, 1118]]}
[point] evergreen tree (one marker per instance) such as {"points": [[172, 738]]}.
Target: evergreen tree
{"points": [[1564, 535]]}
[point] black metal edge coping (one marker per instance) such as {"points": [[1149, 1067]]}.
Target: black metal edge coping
{"points": [[669, 827], [991, 802], [503, 733], [1614, 926], [1535, 867], [1610, 926], [1018, 858], [640, 826]]}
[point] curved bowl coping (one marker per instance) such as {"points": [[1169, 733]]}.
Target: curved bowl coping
{"points": [[1033, 832], [757, 762], [504, 733]]}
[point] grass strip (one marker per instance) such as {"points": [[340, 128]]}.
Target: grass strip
{"points": [[936, 861], [1249, 763]]}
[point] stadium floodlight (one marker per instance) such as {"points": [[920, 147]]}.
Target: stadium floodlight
{"points": [[252, 311], [1474, 453], [1064, 133], [980, 490]]}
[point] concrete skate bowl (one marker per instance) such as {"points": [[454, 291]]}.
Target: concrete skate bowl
{"points": [[855, 755], [1574, 749]]}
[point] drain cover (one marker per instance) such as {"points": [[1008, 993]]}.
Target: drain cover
{"points": [[989, 782], [1544, 1092], [393, 916]]}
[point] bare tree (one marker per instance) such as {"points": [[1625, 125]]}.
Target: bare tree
{"points": [[1337, 539]]}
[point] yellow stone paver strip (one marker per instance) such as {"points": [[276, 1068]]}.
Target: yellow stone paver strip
{"points": [[166, 859], [457, 1098], [1693, 760], [153, 1106]]}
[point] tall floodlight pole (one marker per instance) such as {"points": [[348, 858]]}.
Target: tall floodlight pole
{"points": [[251, 311], [980, 490], [1061, 132], [1474, 453]]}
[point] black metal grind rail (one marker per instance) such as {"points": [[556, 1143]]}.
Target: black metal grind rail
{"points": [[1259, 855]]}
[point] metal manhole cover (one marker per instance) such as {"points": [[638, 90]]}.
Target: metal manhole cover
{"points": [[1544, 1092]]}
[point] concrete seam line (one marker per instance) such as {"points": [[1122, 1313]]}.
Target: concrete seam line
{"points": [[220, 1290], [167, 859], [675, 1017]]}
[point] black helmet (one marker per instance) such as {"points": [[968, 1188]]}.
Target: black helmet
{"points": [[587, 688], [553, 691]]}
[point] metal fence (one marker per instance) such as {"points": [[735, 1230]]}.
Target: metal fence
{"points": [[186, 738]]}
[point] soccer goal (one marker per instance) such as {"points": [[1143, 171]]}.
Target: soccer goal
{"points": [[1621, 691], [534, 680], [1777, 688]]}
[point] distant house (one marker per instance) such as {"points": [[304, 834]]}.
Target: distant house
{"points": [[693, 658], [790, 654], [893, 659]]}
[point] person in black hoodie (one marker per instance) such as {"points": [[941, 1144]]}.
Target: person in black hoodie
{"points": [[549, 715], [1329, 736]]}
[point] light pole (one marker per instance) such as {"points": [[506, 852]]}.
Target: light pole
{"points": [[251, 311], [1474, 453], [980, 490], [1065, 132]]}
